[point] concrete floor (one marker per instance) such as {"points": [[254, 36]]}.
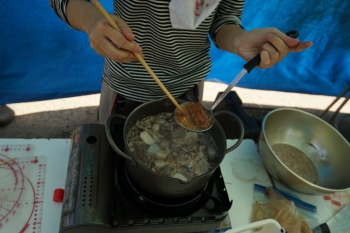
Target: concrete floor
{"points": [[57, 118]]}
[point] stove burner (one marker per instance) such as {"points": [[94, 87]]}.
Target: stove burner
{"points": [[145, 196], [154, 204]]}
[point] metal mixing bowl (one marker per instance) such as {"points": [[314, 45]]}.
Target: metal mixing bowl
{"points": [[328, 150]]}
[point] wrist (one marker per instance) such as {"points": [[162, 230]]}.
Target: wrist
{"points": [[229, 37], [93, 18], [82, 15]]}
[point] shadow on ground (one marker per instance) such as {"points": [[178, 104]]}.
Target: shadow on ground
{"points": [[52, 124]]}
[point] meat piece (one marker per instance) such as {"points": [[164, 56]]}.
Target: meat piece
{"points": [[139, 149], [189, 142], [145, 124], [201, 167], [178, 132], [167, 171]]}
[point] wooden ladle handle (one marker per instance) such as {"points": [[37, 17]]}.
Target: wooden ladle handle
{"points": [[138, 56]]}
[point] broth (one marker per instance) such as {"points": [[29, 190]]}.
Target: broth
{"points": [[166, 148], [297, 161]]}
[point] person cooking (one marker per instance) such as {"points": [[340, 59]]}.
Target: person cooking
{"points": [[172, 37]]}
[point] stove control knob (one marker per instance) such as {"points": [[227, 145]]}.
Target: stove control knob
{"points": [[58, 195]]}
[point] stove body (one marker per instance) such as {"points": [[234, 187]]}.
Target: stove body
{"points": [[88, 189], [101, 197]]}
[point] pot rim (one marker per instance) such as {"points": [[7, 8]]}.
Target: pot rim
{"points": [[320, 188]]}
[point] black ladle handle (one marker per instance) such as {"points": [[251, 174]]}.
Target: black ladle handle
{"points": [[250, 65]]}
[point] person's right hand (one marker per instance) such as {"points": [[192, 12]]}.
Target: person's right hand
{"points": [[110, 43]]}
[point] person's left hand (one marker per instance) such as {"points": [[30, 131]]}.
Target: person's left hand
{"points": [[272, 44]]}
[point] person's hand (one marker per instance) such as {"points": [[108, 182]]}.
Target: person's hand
{"points": [[272, 44], [110, 43]]}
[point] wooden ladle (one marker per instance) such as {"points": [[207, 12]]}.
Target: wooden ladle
{"points": [[115, 26]]}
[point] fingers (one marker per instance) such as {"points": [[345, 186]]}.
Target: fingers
{"points": [[273, 45], [125, 29], [278, 47], [294, 44], [289, 41], [110, 43], [120, 41], [301, 46], [265, 59], [108, 49], [273, 52], [127, 37], [103, 46]]}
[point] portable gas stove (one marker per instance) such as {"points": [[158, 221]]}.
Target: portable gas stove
{"points": [[101, 197]]}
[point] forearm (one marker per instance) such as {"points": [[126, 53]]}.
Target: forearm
{"points": [[82, 14], [228, 37]]}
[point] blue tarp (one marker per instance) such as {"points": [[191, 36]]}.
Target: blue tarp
{"points": [[322, 69], [42, 58]]}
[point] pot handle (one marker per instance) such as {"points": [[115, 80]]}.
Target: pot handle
{"points": [[110, 138], [241, 136]]}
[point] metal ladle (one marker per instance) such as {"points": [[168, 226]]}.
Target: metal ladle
{"points": [[247, 68]]}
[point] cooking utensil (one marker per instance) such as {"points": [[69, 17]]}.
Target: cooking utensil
{"points": [[340, 121], [267, 226], [323, 145], [138, 56], [340, 222], [247, 68], [346, 99], [154, 182]]}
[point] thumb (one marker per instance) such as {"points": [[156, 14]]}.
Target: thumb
{"points": [[291, 42]]}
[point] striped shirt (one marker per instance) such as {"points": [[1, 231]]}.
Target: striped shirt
{"points": [[180, 58]]}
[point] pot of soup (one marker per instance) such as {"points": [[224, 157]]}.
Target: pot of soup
{"points": [[164, 158]]}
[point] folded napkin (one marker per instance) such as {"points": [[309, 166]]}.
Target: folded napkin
{"points": [[189, 14]]}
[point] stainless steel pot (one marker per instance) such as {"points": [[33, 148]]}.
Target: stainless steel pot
{"points": [[327, 149], [152, 181]]}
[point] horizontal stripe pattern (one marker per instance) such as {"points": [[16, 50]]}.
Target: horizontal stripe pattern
{"points": [[179, 58], [59, 6]]}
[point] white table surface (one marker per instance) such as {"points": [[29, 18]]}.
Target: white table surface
{"points": [[241, 168], [57, 153]]}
